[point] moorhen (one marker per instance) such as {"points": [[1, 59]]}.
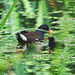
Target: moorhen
{"points": [[28, 37], [53, 44]]}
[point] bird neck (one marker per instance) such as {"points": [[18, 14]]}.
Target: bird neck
{"points": [[41, 34], [51, 43]]}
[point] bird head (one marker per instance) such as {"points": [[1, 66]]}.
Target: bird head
{"points": [[45, 27], [51, 39]]}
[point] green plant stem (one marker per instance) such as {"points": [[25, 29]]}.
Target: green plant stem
{"points": [[9, 12]]}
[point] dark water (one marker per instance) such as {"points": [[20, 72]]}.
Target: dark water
{"points": [[36, 60]]}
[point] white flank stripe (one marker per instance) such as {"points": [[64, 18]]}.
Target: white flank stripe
{"points": [[23, 37]]}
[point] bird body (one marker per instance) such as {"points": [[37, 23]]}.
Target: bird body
{"points": [[27, 37]]}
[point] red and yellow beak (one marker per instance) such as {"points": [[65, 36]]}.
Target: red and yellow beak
{"points": [[49, 32]]}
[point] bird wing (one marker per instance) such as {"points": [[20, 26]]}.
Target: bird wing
{"points": [[32, 36]]}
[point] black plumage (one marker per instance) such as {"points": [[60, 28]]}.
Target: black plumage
{"points": [[53, 44]]}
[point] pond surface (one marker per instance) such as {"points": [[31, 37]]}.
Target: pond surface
{"points": [[38, 59]]}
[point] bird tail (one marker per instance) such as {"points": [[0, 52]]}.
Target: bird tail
{"points": [[21, 38]]}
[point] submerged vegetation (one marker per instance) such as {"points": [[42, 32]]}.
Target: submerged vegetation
{"points": [[18, 15]]}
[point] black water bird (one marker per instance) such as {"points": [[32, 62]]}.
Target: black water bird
{"points": [[53, 44], [28, 37]]}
